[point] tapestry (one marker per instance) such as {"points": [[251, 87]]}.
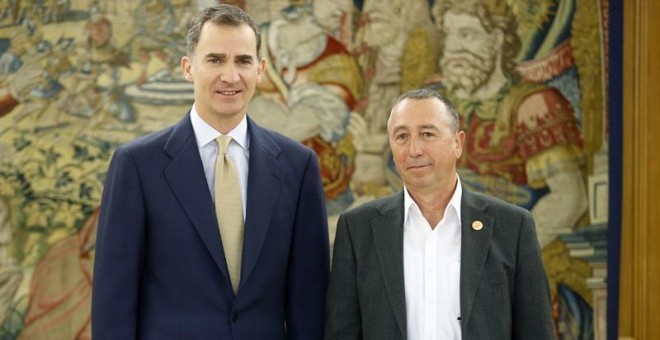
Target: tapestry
{"points": [[527, 77]]}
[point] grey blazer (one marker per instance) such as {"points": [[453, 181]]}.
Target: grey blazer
{"points": [[504, 291]]}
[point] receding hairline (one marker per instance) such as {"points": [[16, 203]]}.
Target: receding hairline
{"points": [[425, 94]]}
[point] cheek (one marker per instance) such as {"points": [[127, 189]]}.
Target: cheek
{"points": [[399, 156], [250, 79], [201, 77], [484, 46]]}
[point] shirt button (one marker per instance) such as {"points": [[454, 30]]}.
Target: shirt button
{"points": [[234, 317]]}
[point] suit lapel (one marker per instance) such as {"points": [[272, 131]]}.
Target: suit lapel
{"points": [[264, 180], [185, 176], [387, 229], [474, 248]]}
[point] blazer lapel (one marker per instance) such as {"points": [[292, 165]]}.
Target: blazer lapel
{"points": [[474, 248], [387, 231], [185, 176], [264, 179]]}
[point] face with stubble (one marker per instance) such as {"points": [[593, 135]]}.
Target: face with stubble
{"points": [[424, 146]]}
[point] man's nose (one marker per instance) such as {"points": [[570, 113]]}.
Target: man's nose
{"points": [[229, 74], [415, 147], [453, 43]]}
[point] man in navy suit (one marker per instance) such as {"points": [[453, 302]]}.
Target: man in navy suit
{"points": [[160, 270]]}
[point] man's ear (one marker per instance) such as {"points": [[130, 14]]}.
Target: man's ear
{"points": [[460, 139], [186, 68], [261, 68]]}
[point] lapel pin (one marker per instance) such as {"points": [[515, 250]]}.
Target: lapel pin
{"points": [[477, 225]]}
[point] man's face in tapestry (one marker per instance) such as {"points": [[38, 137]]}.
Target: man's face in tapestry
{"points": [[470, 53], [331, 13], [381, 18]]}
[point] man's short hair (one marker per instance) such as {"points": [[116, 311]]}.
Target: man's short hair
{"points": [[426, 93], [221, 15]]}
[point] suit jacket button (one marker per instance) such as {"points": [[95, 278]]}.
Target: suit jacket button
{"points": [[234, 316]]}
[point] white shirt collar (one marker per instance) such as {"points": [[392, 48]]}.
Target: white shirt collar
{"points": [[454, 202], [205, 133]]}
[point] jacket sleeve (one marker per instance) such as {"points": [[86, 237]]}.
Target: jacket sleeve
{"points": [[343, 320], [309, 261], [531, 300], [119, 252]]}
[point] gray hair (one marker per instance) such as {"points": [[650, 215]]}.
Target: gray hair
{"points": [[222, 15], [425, 93]]}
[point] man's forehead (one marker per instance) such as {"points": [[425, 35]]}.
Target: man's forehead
{"points": [[223, 40], [420, 125], [451, 19], [212, 31], [418, 113], [415, 106], [416, 121]]}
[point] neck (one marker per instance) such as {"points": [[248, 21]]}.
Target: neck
{"points": [[432, 204], [222, 124]]}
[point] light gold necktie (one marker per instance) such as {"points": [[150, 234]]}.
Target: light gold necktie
{"points": [[229, 210]]}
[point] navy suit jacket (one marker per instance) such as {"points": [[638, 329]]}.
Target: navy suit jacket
{"points": [[160, 270]]}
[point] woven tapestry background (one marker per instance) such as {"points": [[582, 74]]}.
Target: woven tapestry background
{"points": [[80, 77]]}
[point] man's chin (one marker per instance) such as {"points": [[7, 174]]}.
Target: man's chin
{"points": [[418, 185], [228, 110]]}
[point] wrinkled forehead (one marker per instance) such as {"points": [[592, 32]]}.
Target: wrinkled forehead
{"points": [[415, 113]]}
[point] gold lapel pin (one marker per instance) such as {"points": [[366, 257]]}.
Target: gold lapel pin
{"points": [[477, 225]]}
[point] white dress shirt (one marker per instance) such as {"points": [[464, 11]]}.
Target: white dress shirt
{"points": [[238, 152], [432, 268]]}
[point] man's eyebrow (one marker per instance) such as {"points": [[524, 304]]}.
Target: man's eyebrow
{"points": [[399, 128], [244, 57], [216, 55], [419, 127], [428, 126]]}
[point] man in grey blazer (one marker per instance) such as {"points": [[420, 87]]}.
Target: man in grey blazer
{"points": [[435, 261]]}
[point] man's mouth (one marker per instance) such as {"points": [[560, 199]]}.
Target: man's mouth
{"points": [[228, 93], [417, 167]]}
